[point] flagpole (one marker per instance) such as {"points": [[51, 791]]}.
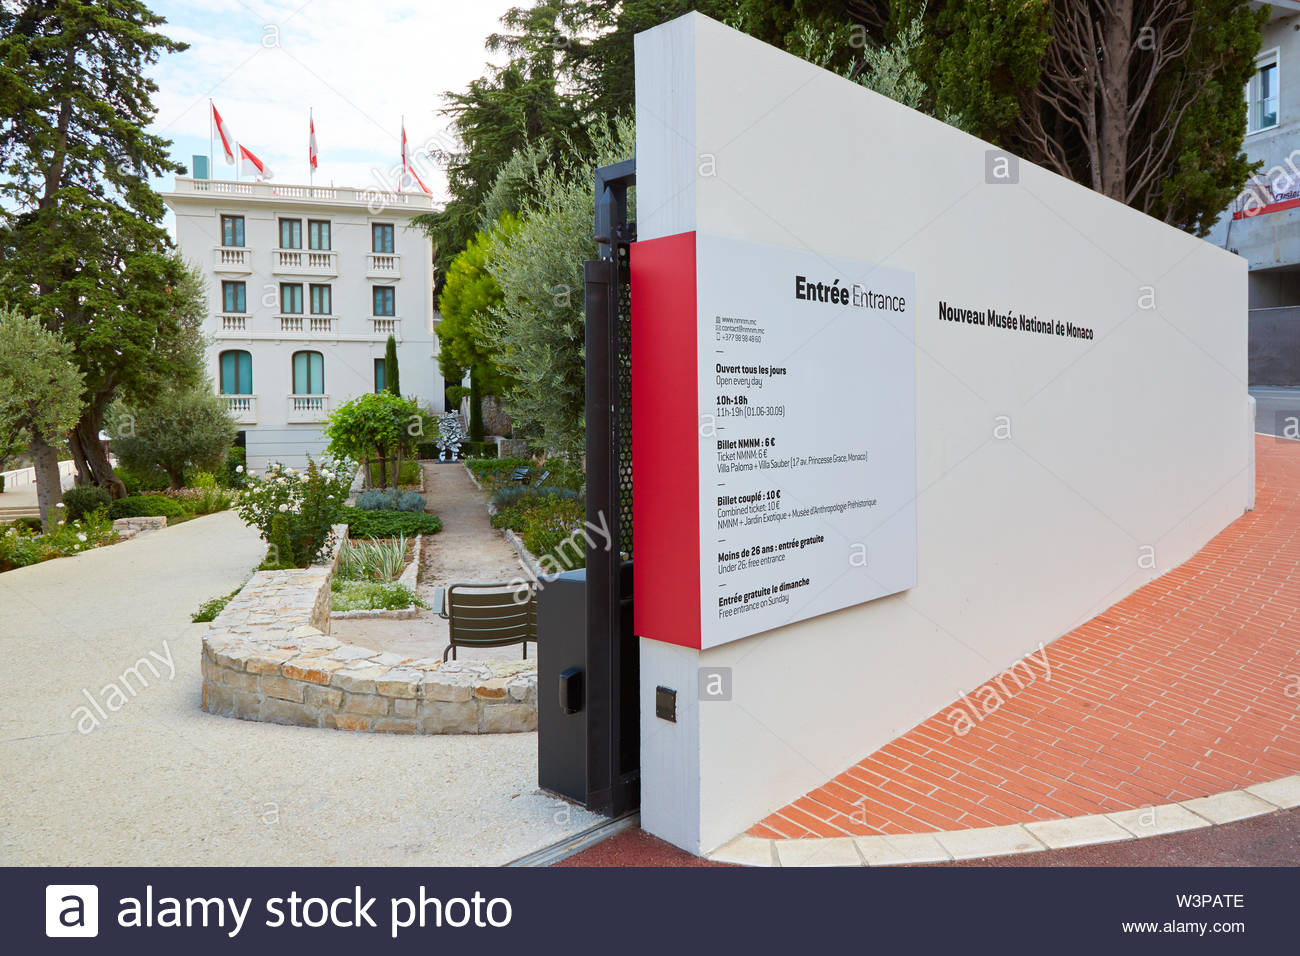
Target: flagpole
{"points": [[210, 163], [311, 170], [402, 147]]}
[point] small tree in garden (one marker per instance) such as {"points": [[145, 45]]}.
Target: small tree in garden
{"points": [[182, 428], [391, 372], [294, 509], [40, 392], [374, 427]]}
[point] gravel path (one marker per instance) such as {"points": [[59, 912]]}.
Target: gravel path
{"points": [[468, 550], [159, 782]]}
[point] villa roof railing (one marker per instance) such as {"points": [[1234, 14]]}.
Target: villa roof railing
{"points": [[371, 197]]}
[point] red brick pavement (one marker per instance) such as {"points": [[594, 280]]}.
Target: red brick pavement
{"points": [[1185, 688]]}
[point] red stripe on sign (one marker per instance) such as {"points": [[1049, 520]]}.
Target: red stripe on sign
{"points": [[1264, 210], [665, 440]]}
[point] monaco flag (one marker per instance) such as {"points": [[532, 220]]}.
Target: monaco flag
{"points": [[311, 141], [224, 134], [251, 165], [409, 176]]}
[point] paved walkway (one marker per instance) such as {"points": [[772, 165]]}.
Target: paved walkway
{"points": [[159, 782], [468, 550], [1188, 687]]}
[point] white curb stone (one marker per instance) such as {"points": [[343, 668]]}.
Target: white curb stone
{"points": [[1078, 831], [746, 851], [829, 851], [1157, 821], [1284, 793], [988, 841], [893, 849], [1229, 807]]}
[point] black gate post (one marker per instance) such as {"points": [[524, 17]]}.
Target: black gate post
{"points": [[612, 675]]}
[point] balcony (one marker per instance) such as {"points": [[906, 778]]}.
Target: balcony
{"points": [[243, 408], [305, 262], [364, 197], [309, 324], [383, 265], [308, 409], [232, 322], [386, 325], [232, 259]]}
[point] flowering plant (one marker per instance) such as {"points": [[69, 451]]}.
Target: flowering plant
{"points": [[307, 501]]}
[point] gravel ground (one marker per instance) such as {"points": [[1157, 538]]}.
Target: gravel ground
{"points": [[468, 550], [159, 782]]}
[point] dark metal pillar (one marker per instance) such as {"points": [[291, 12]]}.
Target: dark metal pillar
{"points": [[612, 675]]}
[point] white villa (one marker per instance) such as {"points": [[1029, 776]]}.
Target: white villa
{"points": [[305, 284]]}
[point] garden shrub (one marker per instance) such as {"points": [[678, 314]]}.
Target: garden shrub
{"points": [[84, 499], [142, 481], [279, 546], [29, 523], [495, 471], [310, 501], [371, 596], [510, 495], [390, 500], [146, 506], [388, 524], [234, 473], [547, 524], [20, 547]]}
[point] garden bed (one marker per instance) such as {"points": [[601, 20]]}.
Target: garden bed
{"points": [[408, 580], [268, 656]]}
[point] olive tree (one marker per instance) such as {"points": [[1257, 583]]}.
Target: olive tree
{"points": [[40, 394], [186, 428]]}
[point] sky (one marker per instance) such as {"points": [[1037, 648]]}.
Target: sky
{"points": [[358, 64]]}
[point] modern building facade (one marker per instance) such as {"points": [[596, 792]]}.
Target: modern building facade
{"points": [[1263, 225], [305, 284]]}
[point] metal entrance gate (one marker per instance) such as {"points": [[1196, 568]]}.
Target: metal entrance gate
{"points": [[588, 676]]}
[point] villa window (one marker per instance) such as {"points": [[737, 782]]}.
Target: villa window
{"points": [[290, 233], [381, 237], [318, 234], [321, 300], [308, 373], [232, 230], [384, 300], [291, 298], [236, 373], [233, 297], [1262, 94], [380, 373]]}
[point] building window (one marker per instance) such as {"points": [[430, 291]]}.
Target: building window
{"points": [[290, 233], [233, 297], [232, 230], [380, 380], [308, 373], [321, 300], [1262, 94], [318, 234], [236, 373], [383, 299], [291, 298], [381, 237]]}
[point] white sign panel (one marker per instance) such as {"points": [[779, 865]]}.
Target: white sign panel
{"points": [[807, 406]]}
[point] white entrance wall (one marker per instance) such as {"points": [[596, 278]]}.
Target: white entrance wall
{"points": [[1126, 452]]}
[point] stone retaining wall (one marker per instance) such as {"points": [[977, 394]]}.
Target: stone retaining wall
{"points": [[269, 656]]}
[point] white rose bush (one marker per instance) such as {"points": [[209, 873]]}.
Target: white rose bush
{"points": [[294, 509]]}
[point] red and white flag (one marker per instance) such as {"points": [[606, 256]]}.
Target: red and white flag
{"points": [[409, 176], [224, 135], [251, 165], [311, 142]]}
